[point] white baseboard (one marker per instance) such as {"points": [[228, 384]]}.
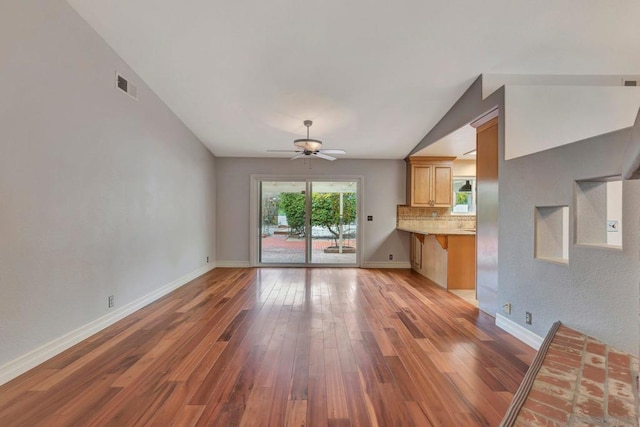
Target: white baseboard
{"points": [[526, 336], [27, 361], [233, 264], [386, 264]]}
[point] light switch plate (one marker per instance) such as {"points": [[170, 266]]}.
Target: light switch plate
{"points": [[612, 226]]}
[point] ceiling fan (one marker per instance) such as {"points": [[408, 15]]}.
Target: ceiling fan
{"points": [[307, 147]]}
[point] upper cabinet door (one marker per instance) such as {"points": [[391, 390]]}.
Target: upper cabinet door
{"points": [[420, 189], [442, 186], [429, 181]]}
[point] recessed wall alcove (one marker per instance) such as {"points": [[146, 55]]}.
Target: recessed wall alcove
{"points": [[599, 212], [552, 233]]}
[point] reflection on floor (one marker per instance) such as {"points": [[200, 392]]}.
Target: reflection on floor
{"points": [[283, 347], [467, 295]]}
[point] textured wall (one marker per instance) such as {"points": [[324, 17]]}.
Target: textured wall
{"points": [[597, 292], [99, 194], [384, 188]]}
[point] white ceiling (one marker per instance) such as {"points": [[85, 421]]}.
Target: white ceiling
{"points": [[455, 144], [374, 76]]}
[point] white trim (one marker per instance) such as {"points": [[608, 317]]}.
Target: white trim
{"points": [[526, 336], [254, 228], [27, 361], [386, 264], [233, 264], [485, 118]]}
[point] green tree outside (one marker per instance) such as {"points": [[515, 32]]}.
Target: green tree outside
{"points": [[292, 204], [325, 211], [462, 198]]}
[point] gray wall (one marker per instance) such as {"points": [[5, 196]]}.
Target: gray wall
{"points": [[597, 292], [99, 194], [384, 188]]}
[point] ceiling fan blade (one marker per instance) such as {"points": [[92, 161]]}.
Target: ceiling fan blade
{"points": [[297, 156], [323, 156], [333, 151]]}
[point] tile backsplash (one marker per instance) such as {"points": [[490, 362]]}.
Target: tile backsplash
{"points": [[414, 217]]}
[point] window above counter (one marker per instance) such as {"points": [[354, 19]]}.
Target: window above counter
{"points": [[464, 195]]}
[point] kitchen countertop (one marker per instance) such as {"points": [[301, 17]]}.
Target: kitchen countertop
{"points": [[439, 230]]}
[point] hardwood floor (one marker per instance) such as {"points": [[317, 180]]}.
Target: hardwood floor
{"points": [[273, 347]]}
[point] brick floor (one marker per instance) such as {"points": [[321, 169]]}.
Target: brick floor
{"points": [[283, 249], [582, 382]]}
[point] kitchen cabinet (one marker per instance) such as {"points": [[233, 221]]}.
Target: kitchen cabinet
{"points": [[461, 262], [448, 260], [417, 240], [429, 181]]}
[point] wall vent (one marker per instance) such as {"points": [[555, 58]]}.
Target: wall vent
{"points": [[630, 82], [126, 86]]}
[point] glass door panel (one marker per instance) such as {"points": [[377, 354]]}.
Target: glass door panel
{"points": [[282, 222], [334, 222]]}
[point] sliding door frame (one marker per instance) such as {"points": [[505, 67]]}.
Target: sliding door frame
{"points": [[255, 226]]}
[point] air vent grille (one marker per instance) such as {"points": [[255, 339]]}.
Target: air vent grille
{"points": [[630, 81], [126, 86]]}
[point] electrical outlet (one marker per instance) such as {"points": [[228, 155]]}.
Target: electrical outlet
{"points": [[390, 257], [110, 301], [507, 308], [527, 318]]}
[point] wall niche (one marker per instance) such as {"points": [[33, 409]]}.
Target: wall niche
{"points": [[552, 233], [599, 212]]}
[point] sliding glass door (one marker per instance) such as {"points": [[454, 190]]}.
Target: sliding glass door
{"points": [[308, 222], [282, 222], [334, 222]]}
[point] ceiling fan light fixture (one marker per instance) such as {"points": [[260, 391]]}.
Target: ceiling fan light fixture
{"points": [[307, 147], [308, 144]]}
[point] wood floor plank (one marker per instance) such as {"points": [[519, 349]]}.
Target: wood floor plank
{"points": [[336, 396], [188, 416], [356, 400], [291, 346], [297, 413], [300, 381]]}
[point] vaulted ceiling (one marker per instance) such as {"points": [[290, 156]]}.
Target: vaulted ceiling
{"points": [[374, 76]]}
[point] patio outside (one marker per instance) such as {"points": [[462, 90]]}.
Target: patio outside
{"points": [[284, 216], [285, 249]]}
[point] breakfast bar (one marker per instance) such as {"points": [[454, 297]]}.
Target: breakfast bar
{"points": [[447, 256]]}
